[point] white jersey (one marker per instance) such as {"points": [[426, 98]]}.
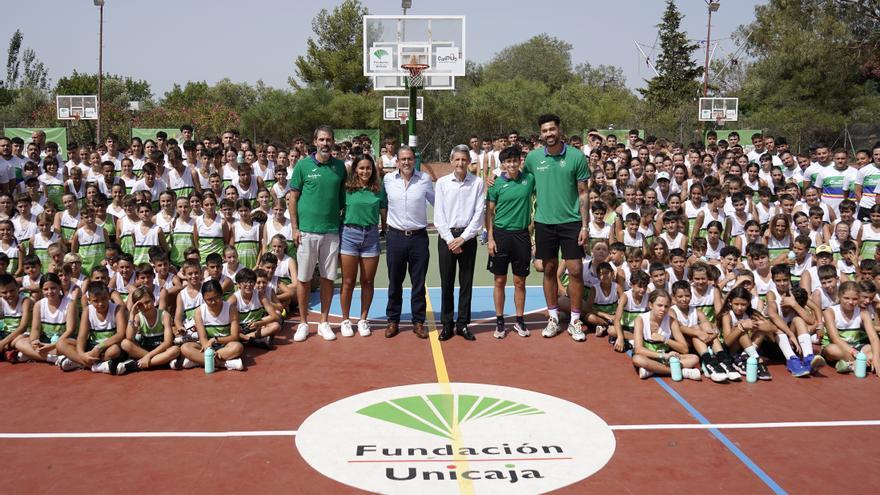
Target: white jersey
{"points": [[190, 305], [637, 241], [23, 228], [664, 328], [216, 325], [672, 243], [714, 253], [690, 319]]}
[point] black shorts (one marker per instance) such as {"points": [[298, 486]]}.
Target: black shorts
{"points": [[150, 343], [863, 214], [511, 248], [549, 238]]}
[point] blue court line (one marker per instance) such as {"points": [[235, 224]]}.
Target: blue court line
{"points": [[723, 439]]}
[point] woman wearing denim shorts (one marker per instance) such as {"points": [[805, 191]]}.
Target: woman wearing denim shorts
{"points": [[365, 206]]}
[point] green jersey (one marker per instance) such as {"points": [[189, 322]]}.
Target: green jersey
{"points": [[513, 201], [556, 183], [322, 194], [362, 206]]}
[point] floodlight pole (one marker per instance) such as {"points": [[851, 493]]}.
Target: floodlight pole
{"points": [[100, 4], [712, 6]]}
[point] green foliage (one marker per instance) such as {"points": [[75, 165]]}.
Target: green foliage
{"points": [[334, 56], [118, 90], [676, 82], [23, 69], [542, 58], [809, 77], [604, 76], [239, 96]]}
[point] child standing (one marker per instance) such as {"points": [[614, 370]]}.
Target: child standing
{"points": [[89, 241], [246, 236]]}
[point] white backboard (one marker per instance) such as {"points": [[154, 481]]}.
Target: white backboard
{"points": [[391, 41], [394, 107], [718, 108], [68, 107]]}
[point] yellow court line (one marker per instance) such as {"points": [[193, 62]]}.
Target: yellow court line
{"points": [[465, 486]]}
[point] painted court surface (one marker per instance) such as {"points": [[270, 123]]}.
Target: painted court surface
{"points": [[185, 432]]}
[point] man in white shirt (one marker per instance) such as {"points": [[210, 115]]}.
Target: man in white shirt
{"points": [[790, 170], [113, 154], [823, 161], [757, 148], [409, 192], [8, 164], [459, 205]]}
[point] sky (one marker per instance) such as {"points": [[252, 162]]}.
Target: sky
{"points": [[171, 41]]}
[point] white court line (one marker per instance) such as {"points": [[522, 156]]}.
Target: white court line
{"points": [[746, 426], [153, 434], [290, 433]]}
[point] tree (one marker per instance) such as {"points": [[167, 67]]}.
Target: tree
{"points": [[605, 76], [117, 89], [333, 57], [677, 79], [542, 58], [23, 69]]}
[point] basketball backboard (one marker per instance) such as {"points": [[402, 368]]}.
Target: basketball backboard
{"points": [[394, 107], [719, 109], [393, 41], [72, 107]]}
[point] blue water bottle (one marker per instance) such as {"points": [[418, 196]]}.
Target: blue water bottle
{"points": [[752, 369], [861, 365], [54, 339], [675, 368], [209, 360]]}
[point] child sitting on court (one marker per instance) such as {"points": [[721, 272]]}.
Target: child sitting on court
{"points": [[15, 311], [634, 263], [101, 329], [743, 327], [658, 338], [217, 324], [257, 318], [632, 303], [602, 304], [30, 279], [849, 328], [188, 301], [149, 337], [787, 309]]}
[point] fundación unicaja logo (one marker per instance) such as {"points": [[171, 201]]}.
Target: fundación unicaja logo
{"points": [[430, 438]]}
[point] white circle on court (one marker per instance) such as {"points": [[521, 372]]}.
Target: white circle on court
{"points": [[458, 438]]}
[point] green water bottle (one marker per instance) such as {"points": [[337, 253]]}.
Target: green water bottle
{"points": [[209, 360]]}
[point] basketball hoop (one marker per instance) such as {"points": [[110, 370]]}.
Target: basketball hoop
{"points": [[720, 117], [403, 116], [416, 79]]}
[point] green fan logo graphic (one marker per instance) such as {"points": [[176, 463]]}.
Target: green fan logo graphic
{"points": [[438, 414], [380, 53]]}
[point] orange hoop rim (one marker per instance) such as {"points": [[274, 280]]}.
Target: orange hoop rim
{"points": [[414, 69]]}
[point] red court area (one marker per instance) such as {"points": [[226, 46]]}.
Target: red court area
{"points": [[145, 432]]}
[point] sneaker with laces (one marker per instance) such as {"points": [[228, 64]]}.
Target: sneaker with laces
{"points": [[645, 374], [500, 331], [67, 364], [813, 362], [364, 328], [325, 331], [21, 358], [102, 367], [727, 365], [601, 330], [692, 374], [302, 332], [739, 363], [796, 367], [843, 366], [521, 330], [346, 329], [234, 364], [714, 371], [551, 329], [127, 367], [188, 364], [575, 329], [763, 372], [176, 364]]}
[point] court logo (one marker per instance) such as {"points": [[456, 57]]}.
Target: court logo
{"points": [[430, 439]]}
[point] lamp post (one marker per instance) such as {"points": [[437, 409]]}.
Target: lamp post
{"points": [[713, 6], [100, 5]]}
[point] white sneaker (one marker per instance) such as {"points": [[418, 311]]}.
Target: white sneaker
{"points": [[576, 331], [521, 330], [127, 367], [500, 332], [177, 363], [325, 331], [67, 364], [302, 332], [21, 358], [234, 364], [551, 329], [102, 367], [692, 374], [644, 374], [345, 329], [364, 328], [53, 359], [188, 365]]}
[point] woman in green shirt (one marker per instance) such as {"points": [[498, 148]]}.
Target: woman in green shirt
{"points": [[365, 207]]}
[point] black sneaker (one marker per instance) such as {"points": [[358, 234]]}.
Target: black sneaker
{"points": [[739, 363], [727, 365], [127, 367], [714, 370], [763, 372]]}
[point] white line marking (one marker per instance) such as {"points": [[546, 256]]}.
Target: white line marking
{"points": [[746, 426], [290, 433], [152, 434]]}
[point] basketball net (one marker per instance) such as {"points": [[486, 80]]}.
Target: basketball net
{"points": [[403, 116], [720, 118], [416, 78]]}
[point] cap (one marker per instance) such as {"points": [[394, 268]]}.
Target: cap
{"points": [[663, 175], [824, 249]]}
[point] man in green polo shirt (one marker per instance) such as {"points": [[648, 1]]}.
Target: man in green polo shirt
{"points": [[508, 217], [561, 218], [316, 201]]}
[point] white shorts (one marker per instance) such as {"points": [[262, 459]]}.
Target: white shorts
{"points": [[317, 249]]}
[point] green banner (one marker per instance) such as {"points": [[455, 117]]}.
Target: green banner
{"points": [[145, 134], [621, 134], [745, 135], [340, 135], [54, 134]]}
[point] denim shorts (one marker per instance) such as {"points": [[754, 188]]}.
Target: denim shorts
{"points": [[359, 241]]}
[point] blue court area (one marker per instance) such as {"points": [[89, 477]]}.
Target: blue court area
{"points": [[482, 304]]}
